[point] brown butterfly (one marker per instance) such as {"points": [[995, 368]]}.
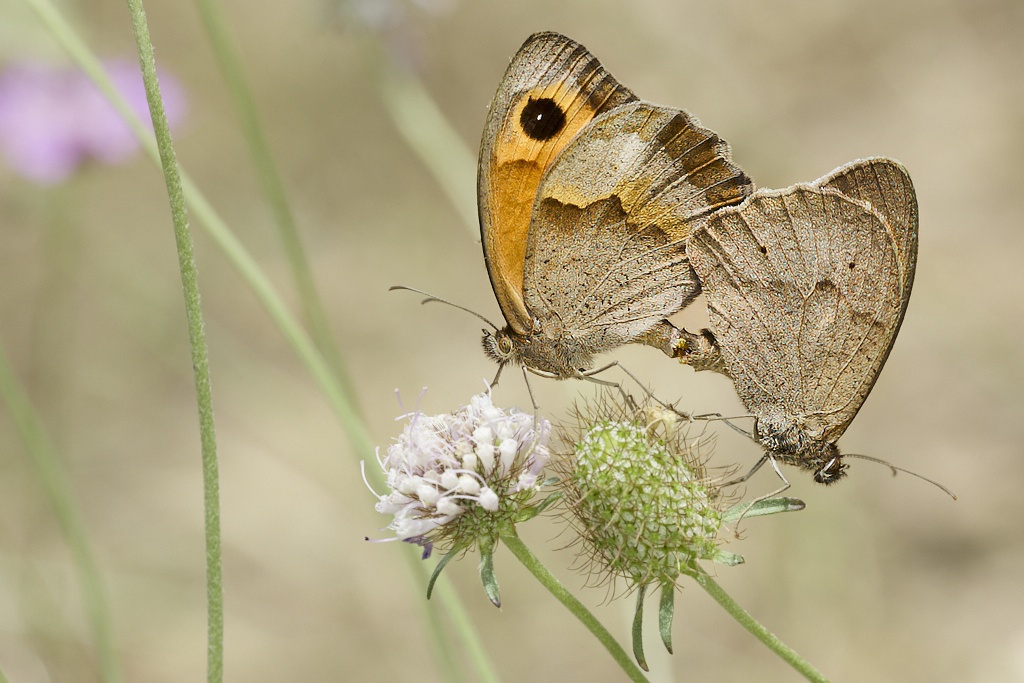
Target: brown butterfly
{"points": [[587, 196], [806, 289]]}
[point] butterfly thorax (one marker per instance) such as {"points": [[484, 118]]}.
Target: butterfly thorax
{"points": [[560, 356], [801, 445]]}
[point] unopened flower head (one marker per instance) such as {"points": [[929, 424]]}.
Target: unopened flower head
{"points": [[639, 495], [457, 479]]}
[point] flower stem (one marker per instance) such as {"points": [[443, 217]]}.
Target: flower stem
{"points": [[197, 340], [530, 561], [770, 640]]}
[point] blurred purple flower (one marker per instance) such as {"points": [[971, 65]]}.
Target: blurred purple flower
{"points": [[52, 118]]}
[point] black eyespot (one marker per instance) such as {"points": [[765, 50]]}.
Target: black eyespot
{"points": [[542, 119]]}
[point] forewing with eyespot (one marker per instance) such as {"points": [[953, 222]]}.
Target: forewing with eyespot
{"points": [[552, 89], [804, 296], [606, 258]]}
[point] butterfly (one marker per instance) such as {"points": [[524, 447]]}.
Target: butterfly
{"points": [[806, 289], [587, 197]]}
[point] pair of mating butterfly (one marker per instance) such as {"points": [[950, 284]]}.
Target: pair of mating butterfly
{"points": [[601, 215]]}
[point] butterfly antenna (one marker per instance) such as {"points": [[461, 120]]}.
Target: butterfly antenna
{"points": [[896, 469], [431, 297]]}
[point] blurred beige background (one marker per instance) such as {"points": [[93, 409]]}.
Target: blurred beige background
{"points": [[879, 579]]}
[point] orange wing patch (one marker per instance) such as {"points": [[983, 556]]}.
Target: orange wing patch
{"points": [[553, 88]]}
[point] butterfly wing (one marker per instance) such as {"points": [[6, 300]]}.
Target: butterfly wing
{"points": [[552, 89], [806, 288], [885, 184], [606, 257]]}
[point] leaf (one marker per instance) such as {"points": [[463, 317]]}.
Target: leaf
{"points": [[666, 613], [638, 629], [759, 508], [727, 558], [437, 572], [487, 576]]}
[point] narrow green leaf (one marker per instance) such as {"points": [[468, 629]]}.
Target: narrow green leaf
{"points": [[759, 508], [727, 558], [437, 572], [534, 510], [487, 576], [638, 629], [666, 613]]}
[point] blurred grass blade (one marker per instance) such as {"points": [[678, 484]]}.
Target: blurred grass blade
{"points": [[51, 476], [273, 187], [428, 132], [197, 341]]}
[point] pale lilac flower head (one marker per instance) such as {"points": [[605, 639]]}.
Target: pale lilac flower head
{"points": [[456, 478], [52, 118]]}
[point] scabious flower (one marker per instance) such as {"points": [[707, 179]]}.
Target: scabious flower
{"points": [[641, 502], [639, 496], [458, 479], [53, 118]]}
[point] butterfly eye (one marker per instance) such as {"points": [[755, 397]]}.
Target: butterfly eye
{"points": [[504, 345], [542, 119], [833, 470]]}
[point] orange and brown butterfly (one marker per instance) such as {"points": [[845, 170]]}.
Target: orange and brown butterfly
{"points": [[587, 197]]}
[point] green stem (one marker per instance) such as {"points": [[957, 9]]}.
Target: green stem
{"points": [[273, 187], [530, 561], [197, 340], [770, 640], [51, 475]]}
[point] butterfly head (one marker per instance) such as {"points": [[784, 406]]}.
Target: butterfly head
{"points": [[820, 457], [500, 347], [557, 356], [803, 445], [830, 467]]}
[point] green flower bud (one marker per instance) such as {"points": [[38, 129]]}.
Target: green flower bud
{"points": [[640, 497]]}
